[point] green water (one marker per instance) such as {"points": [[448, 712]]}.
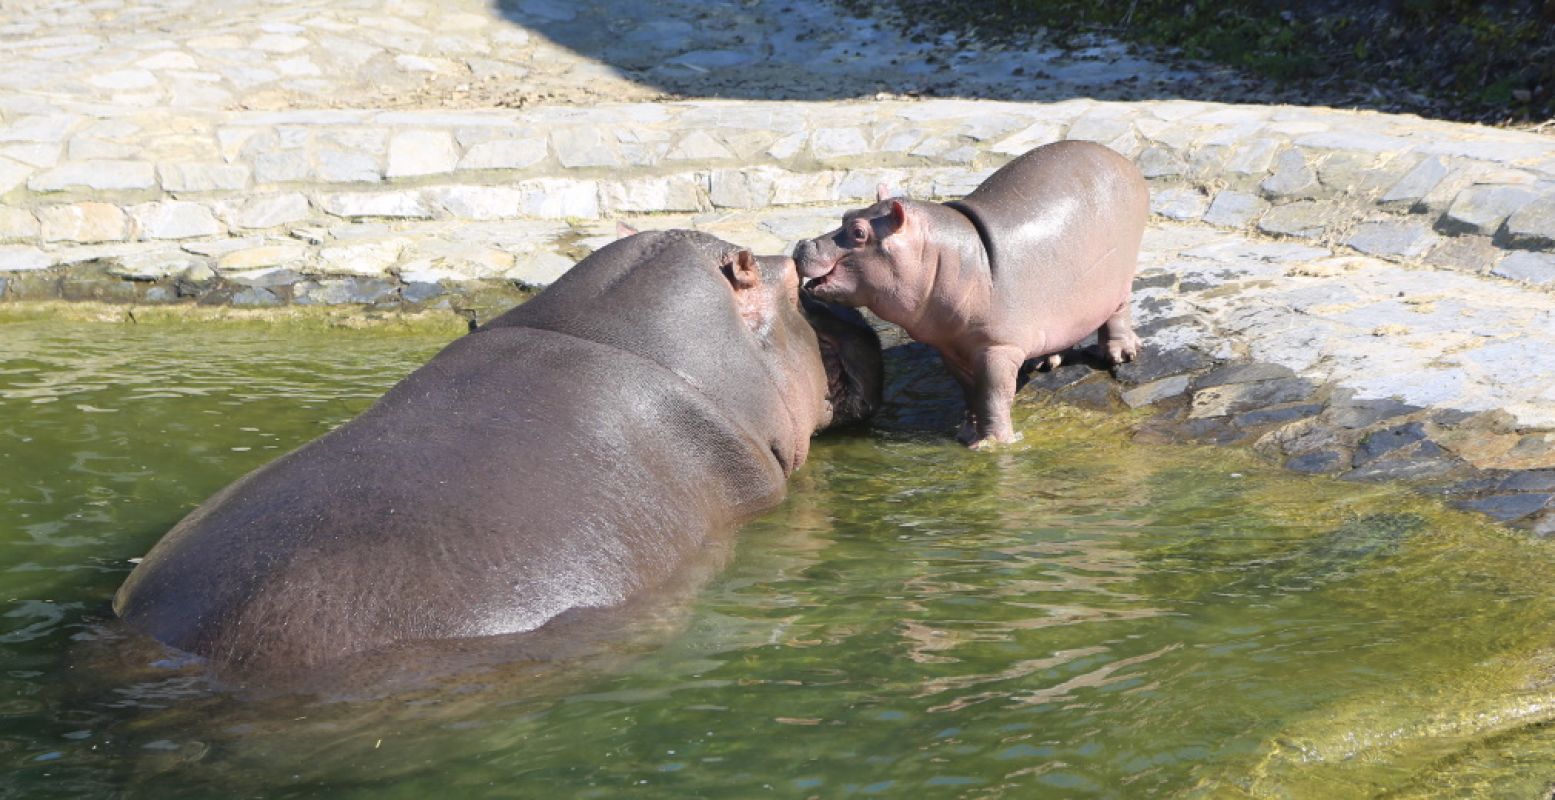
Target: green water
{"points": [[1072, 617]]}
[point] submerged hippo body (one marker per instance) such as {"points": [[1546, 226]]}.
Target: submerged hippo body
{"points": [[576, 453], [1030, 263]]}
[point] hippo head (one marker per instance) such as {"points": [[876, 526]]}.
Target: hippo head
{"points": [[730, 323], [871, 260], [817, 351]]}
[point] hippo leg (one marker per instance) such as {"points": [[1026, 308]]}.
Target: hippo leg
{"points": [[1116, 336], [968, 432], [997, 370]]}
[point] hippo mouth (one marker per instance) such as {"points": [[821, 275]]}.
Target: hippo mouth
{"points": [[820, 278], [850, 354]]}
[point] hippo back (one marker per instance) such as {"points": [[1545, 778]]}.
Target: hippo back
{"points": [[1062, 226]]}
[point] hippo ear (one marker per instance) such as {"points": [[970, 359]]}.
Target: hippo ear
{"points": [[882, 192], [895, 218], [624, 230], [741, 269]]}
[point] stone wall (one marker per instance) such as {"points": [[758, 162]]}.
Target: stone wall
{"points": [[408, 208]]}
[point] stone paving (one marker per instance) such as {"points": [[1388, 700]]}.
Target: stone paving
{"points": [[1352, 293]]}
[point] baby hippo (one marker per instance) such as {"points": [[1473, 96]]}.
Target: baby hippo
{"points": [[1028, 264]]}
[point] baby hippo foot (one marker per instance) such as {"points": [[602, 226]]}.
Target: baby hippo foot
{"points": [[1117, 338], [993, 442], [1053, 361]]}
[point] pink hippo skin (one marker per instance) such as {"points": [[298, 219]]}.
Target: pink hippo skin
{"points": [[1028, 264]]}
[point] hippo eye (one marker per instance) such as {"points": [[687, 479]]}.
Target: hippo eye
{"points": [[859, 232]]}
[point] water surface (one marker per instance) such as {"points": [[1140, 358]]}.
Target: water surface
{"points": [[1072, 617]]}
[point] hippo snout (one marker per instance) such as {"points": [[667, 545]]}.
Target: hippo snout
{"points": [[811, 260]]}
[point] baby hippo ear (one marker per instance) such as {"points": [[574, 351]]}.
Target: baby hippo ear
{"points": [[624, 230], [741, 269], [895, 218], [882, 192]]}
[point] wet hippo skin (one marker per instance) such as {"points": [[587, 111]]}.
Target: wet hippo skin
{"points": [[1030, 263], [575, 454]]}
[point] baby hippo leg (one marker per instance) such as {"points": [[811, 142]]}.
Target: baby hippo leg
{"points": [[994, 393], [1116, 336]]}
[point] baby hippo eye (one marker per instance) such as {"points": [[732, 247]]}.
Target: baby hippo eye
{"points": [[859, 232]]}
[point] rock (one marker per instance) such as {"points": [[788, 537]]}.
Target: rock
{"points": [[1507, 507], [584, 147], [1055, 379], [1468, 253], [1243, 373], [478, 202], [413, 292], [1534, 224], [1159, 162], [173, 219], [652, 195], [202, 177], [1482, 209], [1155, 280], [1304, 218], [421, 153], [264, 256], [345, 291], [1253, 158], [268, 211], [560, 198], [1416, 183], [281, 166], [742, 188], [99, 175], [838, 145], [1533, 480], [1235, 398], [1156, 391], [1422, 461], [152, 266], [1380, 443], [335, 166], [265, 278], [1293, 177], [253, 296], [698, 146], [40, 128], [505, 154], [1534, 268], [21, 258], [1033, 136], [17, 224], [1277, 415], [1178, 204], [357, 205], [1357, 414], [83, 222], [1318, 462], [124, 79], [540, 270], [362, 257], [12, 174], [1097, 393], [1398, 238], [1155, 363], [1233, 209]]}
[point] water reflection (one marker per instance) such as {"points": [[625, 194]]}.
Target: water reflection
{"points": [[1073, 616]]}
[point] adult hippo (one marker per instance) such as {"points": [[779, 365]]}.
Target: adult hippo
{"points": [[567, 461]]}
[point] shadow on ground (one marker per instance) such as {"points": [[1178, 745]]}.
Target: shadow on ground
{"points": [[814, 50]]}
